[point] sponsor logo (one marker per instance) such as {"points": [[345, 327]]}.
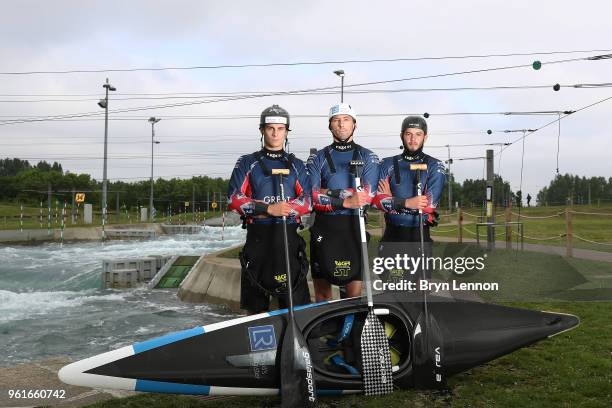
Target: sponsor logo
{"points": [[259, 363], [438, 363], [274, 199], [319, 238], [383, 365], [342, 268], [276, 119], [262, 338], [282, 278], [343, 147], [274, 155], [309, 377]]}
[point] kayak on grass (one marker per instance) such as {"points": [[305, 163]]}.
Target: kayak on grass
{"points": [[239, 356]]}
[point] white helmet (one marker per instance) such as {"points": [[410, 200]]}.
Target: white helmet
{"points": [[342, 109]]}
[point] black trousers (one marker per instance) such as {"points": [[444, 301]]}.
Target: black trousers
{"points": [[264, 269]]}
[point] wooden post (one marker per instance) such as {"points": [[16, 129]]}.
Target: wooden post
{"points": [[459, 225], [72, 217], [568, 233], [508, 228]]}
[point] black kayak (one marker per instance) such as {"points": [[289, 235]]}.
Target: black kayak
{"points": [[239, 357]]}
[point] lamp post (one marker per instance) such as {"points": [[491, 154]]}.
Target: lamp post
{"points": [[152, 121], [340, 73], [103, 103], [450, 181]]}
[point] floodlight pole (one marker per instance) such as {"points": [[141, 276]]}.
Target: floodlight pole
{"points": [[103, 103], [340, 73], [153, 121]]}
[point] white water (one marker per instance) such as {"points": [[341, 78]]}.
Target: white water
{"points": [[51, 303]]}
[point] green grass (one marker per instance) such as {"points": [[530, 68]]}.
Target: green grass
{"points": [[532, 276], [573, 369], [596, 228]]}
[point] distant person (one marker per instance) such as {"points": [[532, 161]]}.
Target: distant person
{"points": [[335, 240], [255, 194], [519, 198], [528, 200], [397, 192]]}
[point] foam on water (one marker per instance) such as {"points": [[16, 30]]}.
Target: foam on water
{"points": [[51, 303], [26, 305]]}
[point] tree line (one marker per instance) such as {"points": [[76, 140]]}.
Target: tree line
{"points": [[567, 188], [22, 182], [25, 183]]}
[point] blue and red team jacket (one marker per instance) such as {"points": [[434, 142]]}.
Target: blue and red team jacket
{"points": [[402, 180], [252, 186], [329, 169]]}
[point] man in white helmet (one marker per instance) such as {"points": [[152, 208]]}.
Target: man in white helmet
{"points": [[335, 244]]}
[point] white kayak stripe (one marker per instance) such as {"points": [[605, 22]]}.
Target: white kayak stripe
{"points": [[75, 373]]}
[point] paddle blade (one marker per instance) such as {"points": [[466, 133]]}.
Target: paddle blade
{"points": [[376, 358], [428, 354], [297, 374]]}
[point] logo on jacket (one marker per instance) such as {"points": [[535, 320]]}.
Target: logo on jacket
{"points": [[274, 199], [342, 268]]}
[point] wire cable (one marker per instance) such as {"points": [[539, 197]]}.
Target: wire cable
{"points": [[287, 64]]}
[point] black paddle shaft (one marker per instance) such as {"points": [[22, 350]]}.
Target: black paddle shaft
{"points": [[286, 242], [298, 387], [431, 354]]}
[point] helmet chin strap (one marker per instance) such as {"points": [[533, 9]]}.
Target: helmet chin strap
{"points": [[346, 140], [411, 155]]}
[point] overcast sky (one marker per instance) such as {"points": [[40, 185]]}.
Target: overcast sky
{"points": [[206, 138]]}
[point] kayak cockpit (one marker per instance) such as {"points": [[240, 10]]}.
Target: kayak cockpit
{"points": [[335, 343]]}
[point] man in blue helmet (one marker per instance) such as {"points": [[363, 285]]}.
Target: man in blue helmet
{"points": [[335, 242], [398, 192], [255, 194]]}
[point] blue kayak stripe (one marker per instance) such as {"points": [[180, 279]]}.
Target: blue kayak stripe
{"points": [[296, 308], [167, 339], [171, 388]]}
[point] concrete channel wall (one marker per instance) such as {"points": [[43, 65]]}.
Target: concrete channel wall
{"points": [[70, 234], [217, 280], [213, 280]]}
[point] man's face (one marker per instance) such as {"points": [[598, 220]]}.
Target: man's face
{"points": [[274, 135], [414, 139], [342, 127]]}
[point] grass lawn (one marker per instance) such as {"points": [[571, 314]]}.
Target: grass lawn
{"points": [[596, 228]]}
